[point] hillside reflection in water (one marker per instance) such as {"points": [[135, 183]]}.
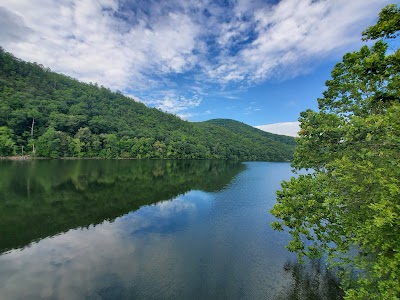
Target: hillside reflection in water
{"points": [[145, 230]]}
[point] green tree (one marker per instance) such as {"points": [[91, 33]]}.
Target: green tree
{"points": [[159, 149], [53, 144], [387, 25], [349, 205], [75, 147], [111, 145], [84, 135], [7, 145]]}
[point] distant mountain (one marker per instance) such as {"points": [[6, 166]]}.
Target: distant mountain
{"points": [[59, 116], [249, 131], [250, 141]]}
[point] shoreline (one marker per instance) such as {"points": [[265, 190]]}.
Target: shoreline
{"points": [[31, 158], [16, 157]]}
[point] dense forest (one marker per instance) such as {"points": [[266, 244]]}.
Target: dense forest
{"points": [[46, 114]]}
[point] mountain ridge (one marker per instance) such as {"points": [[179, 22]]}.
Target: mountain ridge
{"points": [[59, 116], [234, 124]]}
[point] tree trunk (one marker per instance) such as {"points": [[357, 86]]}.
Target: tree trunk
{"points": [[33, 143]]}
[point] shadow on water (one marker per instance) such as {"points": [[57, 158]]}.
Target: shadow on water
{"points": [[311, 281], [43, 198]]}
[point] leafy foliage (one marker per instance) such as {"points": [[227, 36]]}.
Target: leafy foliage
{"points": [[349, 206], [387, 25], [7, 145], [62, 117]]}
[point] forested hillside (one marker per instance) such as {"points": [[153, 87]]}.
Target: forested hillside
{"points": [[251, 132], [46, 114]]}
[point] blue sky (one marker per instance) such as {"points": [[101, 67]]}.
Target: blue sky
{"points": [[258, 62]]}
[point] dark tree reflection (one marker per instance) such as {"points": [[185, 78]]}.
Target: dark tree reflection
{"points": [[43, 198], [311, 281]]}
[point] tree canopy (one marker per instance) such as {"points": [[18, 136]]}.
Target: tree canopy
{"points": [[348, 206], [52, 115]]}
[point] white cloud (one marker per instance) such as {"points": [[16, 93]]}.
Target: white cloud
{"points": [[55, 267], [12, 26], [84, 39], [285, 128], [175, 104], [251, 109], [292, 35], [141, 47]]}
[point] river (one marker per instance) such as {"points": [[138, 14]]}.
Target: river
{"points": [[125, 229]]}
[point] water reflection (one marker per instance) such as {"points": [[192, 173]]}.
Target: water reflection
{"points": [[138, 255], [312, 281], [211, 240], [43, 198]]}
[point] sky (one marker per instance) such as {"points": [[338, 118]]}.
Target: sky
{"points": [[260, 62]]}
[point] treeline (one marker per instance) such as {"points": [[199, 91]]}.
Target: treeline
{"points": [[46, 114]]}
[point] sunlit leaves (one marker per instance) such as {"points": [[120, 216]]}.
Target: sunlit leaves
{"points": [[387, 26], [7, 145]]}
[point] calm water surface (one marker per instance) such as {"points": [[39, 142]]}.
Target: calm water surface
{"points": [[148, 230]]}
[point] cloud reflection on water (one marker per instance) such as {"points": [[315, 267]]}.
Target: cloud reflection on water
{"points": [[66, 266]]}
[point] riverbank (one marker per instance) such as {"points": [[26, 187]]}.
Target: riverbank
{"points": [[18, 157]]}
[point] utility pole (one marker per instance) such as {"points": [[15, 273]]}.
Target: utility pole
{"points": [[33, 143]]}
